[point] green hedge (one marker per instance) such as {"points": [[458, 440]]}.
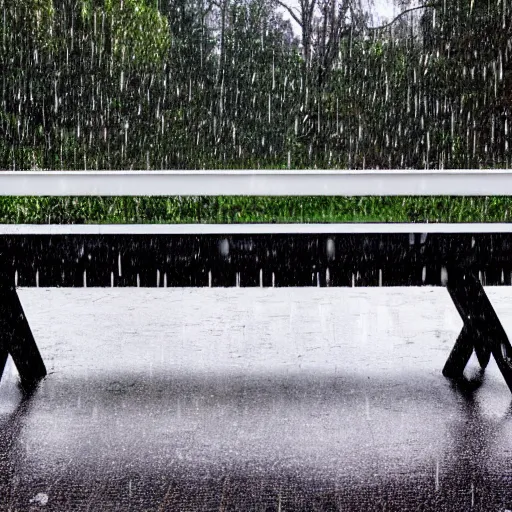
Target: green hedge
{"points": [[107, 210]]}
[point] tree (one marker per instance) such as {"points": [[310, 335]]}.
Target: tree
{"points": [[471, 75], [65, 82], [324, 24]]}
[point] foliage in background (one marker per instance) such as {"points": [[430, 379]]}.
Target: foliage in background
{"points": [[80, 210], [163, 84], [73, 90], [125, 84]]}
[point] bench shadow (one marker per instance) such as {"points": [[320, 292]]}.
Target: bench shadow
{"points": [[89, 421], [11, 451], [469, 383]]}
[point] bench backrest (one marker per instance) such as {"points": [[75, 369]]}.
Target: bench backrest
{"points": [[256, 183]]}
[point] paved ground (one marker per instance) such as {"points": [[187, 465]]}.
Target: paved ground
{"points": [[253, 399]]}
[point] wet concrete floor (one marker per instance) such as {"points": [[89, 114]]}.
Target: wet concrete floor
{"points": [[253, 399]]}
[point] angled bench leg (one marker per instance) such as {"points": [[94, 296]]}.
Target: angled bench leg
{"points": [[460, 354], [482, 330], [3, 360], [17, 340]]}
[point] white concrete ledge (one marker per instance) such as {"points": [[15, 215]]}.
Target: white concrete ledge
{"points": [[235, 229], [257, 183]]}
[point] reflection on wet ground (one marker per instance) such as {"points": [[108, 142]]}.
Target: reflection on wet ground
{"points": [[234, 399]]}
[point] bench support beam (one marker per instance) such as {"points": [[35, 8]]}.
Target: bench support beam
{"points": [[16, 338], [482, 330]]}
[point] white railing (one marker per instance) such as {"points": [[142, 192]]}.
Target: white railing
{"points": [[251, 229], [257, 183]]}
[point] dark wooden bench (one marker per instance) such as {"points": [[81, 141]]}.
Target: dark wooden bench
{"points": [[463, 258]]}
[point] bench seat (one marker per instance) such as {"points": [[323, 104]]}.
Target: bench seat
{"points": [[159, 255]]}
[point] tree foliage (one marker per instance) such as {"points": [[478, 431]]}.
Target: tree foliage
{"points": [[150, 84]]}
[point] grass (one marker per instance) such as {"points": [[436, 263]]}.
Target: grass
{"points": [[225, 209]]}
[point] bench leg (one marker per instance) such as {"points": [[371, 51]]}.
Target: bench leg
{"points": [[17, 340], [482, 329], [460, 354], [3, 360]]}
